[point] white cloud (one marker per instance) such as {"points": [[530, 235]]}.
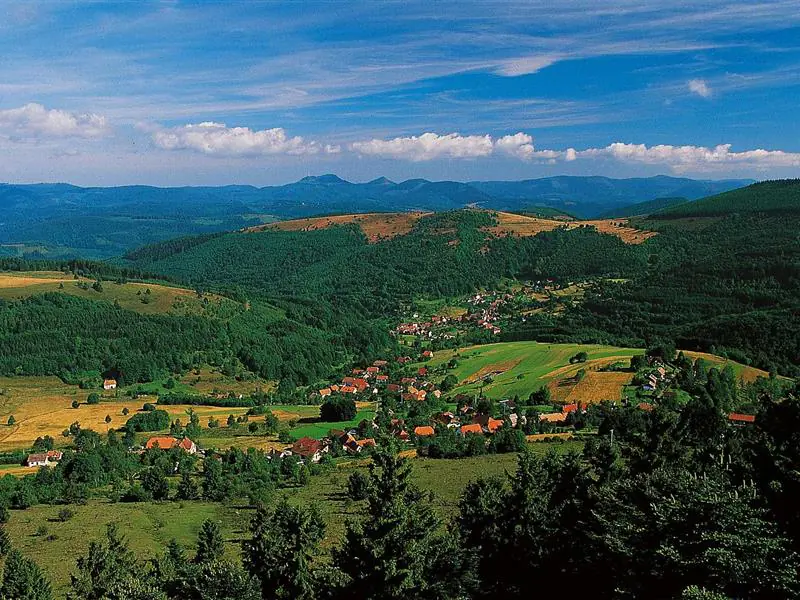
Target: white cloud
{"points": [[35, 121], [519, 145], [219, 140], [690, 158], [427, 146], [700, 87], [526, 65]]}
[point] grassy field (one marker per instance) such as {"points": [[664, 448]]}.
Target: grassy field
{"points": [[43, 406], [132, 296], [519, 368], [149, 527]]}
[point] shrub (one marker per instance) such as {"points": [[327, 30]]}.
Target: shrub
{"points": [[65, 514]]}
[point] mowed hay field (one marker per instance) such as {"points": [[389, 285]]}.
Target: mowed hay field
{"points": [[743, 372], [524, 226], [519, 368], [376, 226], [161, 299]]}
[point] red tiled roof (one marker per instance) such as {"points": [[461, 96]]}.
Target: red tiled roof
{"points": [[494, 424], [424, 431], [163, 442], [553, 417], [569, 408], [645, 406], [740, 418], [472, 428]]}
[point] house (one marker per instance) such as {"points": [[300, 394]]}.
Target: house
{"points": [[167, 443], [37, 460], [43, 459], [514, 419], [380, 363], [403, 359], [422, 371], [408, 381], [324, 392], [569, 408], [393, 388], [309, 449], [436, 394], [427, 355], [493, 425], [472, 428], [347, 389], [109, 384], [645, 406], [372, 370], [424, 431], [740, 419], [382, 378], [360, 384], [553, 417], [357, 371], [403, 436]]}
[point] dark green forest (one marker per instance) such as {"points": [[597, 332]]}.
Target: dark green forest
{"points": [[315, 301]]}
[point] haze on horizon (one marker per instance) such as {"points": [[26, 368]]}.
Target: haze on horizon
{"points": [[185, 93]]}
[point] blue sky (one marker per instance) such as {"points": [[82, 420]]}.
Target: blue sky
{"points": [[197, 93]]}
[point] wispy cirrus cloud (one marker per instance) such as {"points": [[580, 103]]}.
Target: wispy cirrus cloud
{"points": [[35, 121], [220, 140]]}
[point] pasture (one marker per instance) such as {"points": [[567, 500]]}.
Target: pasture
{"points": [[525, 226], [148, 527], [518, 368], [160, 299], [376, 226]]}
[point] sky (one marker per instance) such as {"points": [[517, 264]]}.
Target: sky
{"points": [[262, 93]]}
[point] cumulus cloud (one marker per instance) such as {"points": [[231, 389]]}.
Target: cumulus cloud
{"points": [[519, 145], [35, 121], [525, 65], [699, 87], [427, 146], [430, 146], [220, 140]]}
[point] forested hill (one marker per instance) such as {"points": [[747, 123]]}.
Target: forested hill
{"points": [[648, 207], [768, 198], [60, 220], [318, 300]]}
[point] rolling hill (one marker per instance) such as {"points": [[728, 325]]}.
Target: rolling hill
{"points": [[646, 208], [61, 220], [766, 198]]}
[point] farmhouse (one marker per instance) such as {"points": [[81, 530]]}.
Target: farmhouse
{"points": [[309, 449], [167, 443], [324, 392], [43, 459], [110, 384]]}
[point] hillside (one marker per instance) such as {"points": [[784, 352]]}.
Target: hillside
{"points": [[767, 198], [61, 220], [645, 208]]}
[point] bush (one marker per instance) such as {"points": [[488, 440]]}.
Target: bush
{"points": [[65, 514], [94, 398], [155, 420], [338, 409], [358, 485]]}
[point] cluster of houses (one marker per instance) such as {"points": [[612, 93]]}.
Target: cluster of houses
{"points": [[474, 424], [374, 378], [653, 379], [484, 313]]}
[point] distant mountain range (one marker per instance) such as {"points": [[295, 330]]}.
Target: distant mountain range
{"points": [[63, 220]]}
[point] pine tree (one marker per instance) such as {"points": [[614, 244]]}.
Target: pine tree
{"points": [[281, 549], [24, 580], [396, 551], [210, 545], [105, 568], [5, 542]]}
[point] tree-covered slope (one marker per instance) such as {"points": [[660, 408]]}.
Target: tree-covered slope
{"points": [[768, 197]]}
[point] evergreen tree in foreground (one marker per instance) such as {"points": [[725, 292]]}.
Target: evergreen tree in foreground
{"points": [[396, 551], [24, 580], [281, 549], [210, 545]]}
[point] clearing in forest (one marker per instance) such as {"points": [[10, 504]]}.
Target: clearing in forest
{"points": [[376, 226], [524, 226], [130, 295]]}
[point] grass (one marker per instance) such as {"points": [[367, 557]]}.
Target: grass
{"points": [[525, 366], [320, 429], [131, 296], [148, 527]]}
